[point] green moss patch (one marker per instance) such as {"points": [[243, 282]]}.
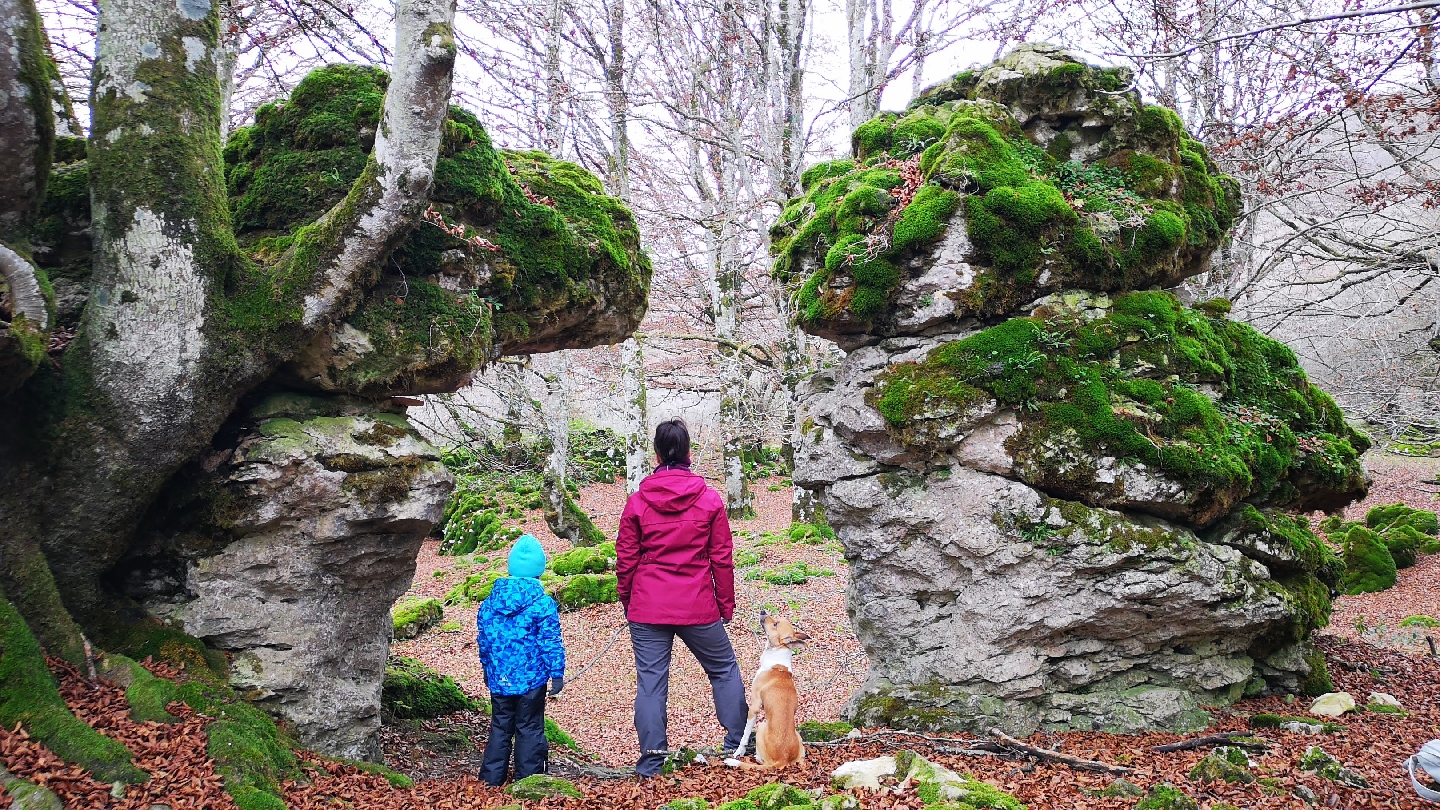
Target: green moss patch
{"points": [[1209, 403], [778, 795], [29, 697], [539, 787], [412, 690], [817, 731], [1167, 797], [414, 616]]}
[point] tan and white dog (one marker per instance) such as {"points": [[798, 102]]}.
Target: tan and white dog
{"points": [[777, 743]]}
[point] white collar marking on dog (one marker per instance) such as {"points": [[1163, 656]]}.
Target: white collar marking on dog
{"points": [[775, 656]]}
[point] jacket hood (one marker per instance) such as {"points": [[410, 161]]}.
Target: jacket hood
{"points": [[672, 491], [512, 595]]}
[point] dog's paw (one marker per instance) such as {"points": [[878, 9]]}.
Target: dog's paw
{"points": [[732, 762]]}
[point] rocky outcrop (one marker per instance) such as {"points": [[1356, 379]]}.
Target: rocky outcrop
{"points": [[1060, 489], [287, 551]]}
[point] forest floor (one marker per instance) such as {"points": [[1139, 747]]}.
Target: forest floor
{"points": [[1367, 649]]}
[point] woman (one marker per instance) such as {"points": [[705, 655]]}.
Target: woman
{"points": [[677, 578]]}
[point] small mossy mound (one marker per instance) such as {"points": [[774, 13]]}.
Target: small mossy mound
{"points": [[412, 690], [29, 697], [413, 617], [1405, 532], [1140, 204], [777, 795], [1217, 767], [537, 787], [1167, 797], [1420, 620], [474, 589], [738, 804], [585, 560], [1369, 567], [583, 590], [514, 239], [817, 731], [1318, 762], [1381, 518], [1212, 405]]}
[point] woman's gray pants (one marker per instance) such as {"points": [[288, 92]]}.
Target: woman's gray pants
{"points": [[711, 647]]}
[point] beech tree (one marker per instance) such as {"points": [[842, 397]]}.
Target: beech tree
{"points": [[181, 322]]}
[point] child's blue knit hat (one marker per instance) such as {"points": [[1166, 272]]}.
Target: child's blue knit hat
{"points": [[527, 558]]}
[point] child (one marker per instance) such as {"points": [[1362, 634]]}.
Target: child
{"points": [[518, 633]]}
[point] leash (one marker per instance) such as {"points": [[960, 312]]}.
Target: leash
{"points": [[601, 654]]}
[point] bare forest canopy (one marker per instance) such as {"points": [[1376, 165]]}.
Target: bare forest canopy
{"points": [[273, 223]]}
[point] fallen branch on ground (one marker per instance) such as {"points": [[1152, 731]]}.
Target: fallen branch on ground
{"points": [[1055, 756], [1213, 739]]}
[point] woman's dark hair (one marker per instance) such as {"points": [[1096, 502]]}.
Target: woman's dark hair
{"points": [[672, 442]]}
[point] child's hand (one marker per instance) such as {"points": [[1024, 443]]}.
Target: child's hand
{"points": [[556, 684]]}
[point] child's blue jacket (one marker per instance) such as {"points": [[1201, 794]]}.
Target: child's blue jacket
{"points": [[518, 633]]}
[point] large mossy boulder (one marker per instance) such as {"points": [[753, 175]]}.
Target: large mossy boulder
{"points": [[519, 253], [1067, 495]]}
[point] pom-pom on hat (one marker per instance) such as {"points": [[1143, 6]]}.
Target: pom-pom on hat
{"points": [[527, 558]]}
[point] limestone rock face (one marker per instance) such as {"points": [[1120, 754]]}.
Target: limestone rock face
{"points": [[295, 544], [1062, 499]]}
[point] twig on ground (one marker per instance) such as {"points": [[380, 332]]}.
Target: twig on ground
{"points": [[1055, 756], [1212, 739]]}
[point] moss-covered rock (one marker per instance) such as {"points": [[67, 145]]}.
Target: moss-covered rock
{"points": [[1137, 402], [521, 253], [474, 589], [1223, 766], [1316, 761], [1126, 200], [777, 795], [1381, 518], [1167, 797], [537, 787], [582, 590], [412, 617], [585, 560], [413, 690], [1368, 564]]}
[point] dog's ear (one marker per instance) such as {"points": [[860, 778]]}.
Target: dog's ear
{"points": [[798, 637]]}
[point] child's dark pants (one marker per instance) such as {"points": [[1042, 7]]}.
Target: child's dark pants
{"points": [[521, 717]]}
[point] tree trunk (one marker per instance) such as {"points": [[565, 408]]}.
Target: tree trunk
{"points": [[181, 323], [632, 388], [27, 123]]}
